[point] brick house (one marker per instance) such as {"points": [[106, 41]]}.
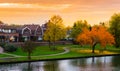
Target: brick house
{"points": [[44, 27], [30, 32], [8, 33]]}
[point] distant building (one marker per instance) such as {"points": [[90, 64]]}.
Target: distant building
{"points": [[8, 33], [44, 27], [68, 32], [30, 32], [12, 33], [20, 33]]}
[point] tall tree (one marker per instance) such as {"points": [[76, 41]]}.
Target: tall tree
{"points": [[1, 22], [29, 47], [115, 28], [98, 34], [77, 28], [68, 32], [55, 30]]}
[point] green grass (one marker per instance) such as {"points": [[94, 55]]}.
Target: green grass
{"points": [[41, 50], [44, 50], [3, 55], [97, 47], [67, 55]]}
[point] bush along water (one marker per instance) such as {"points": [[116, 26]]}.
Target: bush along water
{"points": [[10, 48], [2, 44]]}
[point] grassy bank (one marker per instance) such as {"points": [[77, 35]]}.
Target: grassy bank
{"points": [[41, 52]]}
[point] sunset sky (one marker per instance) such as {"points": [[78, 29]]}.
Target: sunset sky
{"points": [[40, 11]]}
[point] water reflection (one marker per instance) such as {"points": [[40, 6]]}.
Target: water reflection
{"points": [[109, 63], [116, 61]]}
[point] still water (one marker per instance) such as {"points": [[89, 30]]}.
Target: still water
{"points": [[106, 63]]}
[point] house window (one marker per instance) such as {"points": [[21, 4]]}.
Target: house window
{"points": [[9, 31], [13, 31], [0, 30], [26, 31]]}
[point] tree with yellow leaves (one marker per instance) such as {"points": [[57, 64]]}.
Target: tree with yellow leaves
{"points": [[55, 30]]}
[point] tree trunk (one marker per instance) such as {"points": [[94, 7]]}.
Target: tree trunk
{"points": [[49, 44], [29, 56], [93, 47], [54, 45], [54, 42], [117, 43]]}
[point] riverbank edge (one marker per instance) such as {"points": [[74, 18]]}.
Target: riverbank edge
{"points": [[54, 59]]}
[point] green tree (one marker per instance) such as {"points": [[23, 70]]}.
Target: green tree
{"points": [[55, 30], [115, 28], [29, 47], [77, 28]]}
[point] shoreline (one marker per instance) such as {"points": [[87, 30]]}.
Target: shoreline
{"points": [[54, 59]]}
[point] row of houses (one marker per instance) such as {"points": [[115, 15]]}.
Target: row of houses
{"points": [[21, 33]]}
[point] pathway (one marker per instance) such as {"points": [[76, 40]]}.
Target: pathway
{"points": [[66, 51], [11, 54], [14, 56]]}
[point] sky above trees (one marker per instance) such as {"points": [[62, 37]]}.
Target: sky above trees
{"points": [[40, 11]]}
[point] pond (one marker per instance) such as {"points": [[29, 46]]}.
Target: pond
{"points": [[106, 63]]}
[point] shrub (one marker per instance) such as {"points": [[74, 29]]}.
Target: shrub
{"points": [[10, 48], [2, 44]]}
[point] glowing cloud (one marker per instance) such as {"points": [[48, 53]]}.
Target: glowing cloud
{"points": [[39, 6]]}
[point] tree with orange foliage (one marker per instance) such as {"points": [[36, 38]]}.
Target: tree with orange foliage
{"points": [[98, 34]]}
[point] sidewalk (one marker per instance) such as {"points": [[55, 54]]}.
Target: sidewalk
{"points": [[66, 50]]}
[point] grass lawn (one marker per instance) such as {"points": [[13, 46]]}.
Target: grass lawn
{"points": [[75, 51], [3, 55], [97, 47], [67, 55], [41, 50]]}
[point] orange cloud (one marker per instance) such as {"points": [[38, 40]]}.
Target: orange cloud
{"points": [[23, 11], [37, 6]]}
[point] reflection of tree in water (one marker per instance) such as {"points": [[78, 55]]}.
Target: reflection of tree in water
{"points": [[51, 66], [116, 61], [99, 64], [28, 67], [42, 66], [79, 62]]}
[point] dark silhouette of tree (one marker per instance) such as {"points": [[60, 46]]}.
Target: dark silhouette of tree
{"points": [[115, 28], [29, 47]]}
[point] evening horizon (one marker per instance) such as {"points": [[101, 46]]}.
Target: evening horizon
{"points": [[40, 11]]}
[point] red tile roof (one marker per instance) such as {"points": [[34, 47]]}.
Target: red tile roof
{"points": [[33, 27]]}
